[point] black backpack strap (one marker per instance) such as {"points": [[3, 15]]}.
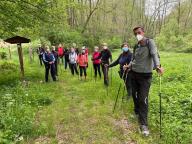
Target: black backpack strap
{"points": [[148, 46]]}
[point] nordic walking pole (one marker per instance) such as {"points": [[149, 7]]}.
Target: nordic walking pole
{"points": [[123, 93], [116, 98], [125, 80], [125, 84], [91, 72], [106, 76], [61, 65], [106, 70], [117, 95], [107, 91], [160, 106], [111, 75], [60, 68]]}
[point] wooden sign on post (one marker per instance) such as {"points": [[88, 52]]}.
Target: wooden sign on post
{"points": [[19, 40]]}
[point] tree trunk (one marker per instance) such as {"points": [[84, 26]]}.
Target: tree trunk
{"points": [[89, 16], [10, 57]]}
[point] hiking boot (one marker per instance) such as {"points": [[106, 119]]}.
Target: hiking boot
{"points": [[106, 83], [144, 130]]}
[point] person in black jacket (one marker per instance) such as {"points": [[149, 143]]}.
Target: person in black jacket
{"points": [[66, 55], [49, 61], [124, 59], [40, 52], [55, 53], [105, 57]]}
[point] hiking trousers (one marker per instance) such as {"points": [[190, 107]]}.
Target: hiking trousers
{"points": [[56, 68], [141, 83], [50, 67], [97, 69], [105, 71], [66, 63], [73, 68], [41, 59], [83, 70]]}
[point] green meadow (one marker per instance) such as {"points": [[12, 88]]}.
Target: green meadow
{"points": [[71, 111]]}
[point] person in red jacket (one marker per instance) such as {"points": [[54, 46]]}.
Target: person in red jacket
{"points": [[82, 60], [60, 51], [87, 50], [106, 58], [96, 62]]}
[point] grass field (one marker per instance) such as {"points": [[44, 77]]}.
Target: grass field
{"points": [[76, 112]]}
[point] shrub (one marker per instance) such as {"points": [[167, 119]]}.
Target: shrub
{"points": [[3, 55], [7, 66], [113, 42], [67, 37], [11, 72]]}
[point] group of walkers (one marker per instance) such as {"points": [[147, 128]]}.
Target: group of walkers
{"points": [[135, 68], [77, 61]]}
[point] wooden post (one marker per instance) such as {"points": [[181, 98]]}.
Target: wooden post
{"points": [[30, 54], [19, 48], [33, 54], [9, 52]]}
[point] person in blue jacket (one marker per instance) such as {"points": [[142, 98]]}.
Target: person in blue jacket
{"points": [[56, 56], [124, 59], [49, 61]]}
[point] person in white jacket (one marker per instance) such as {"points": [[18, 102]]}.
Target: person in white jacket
{"points": [[73, 61]]}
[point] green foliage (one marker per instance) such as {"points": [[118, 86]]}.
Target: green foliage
{"points": [[91, 41], [188, 42], [62, 21], [3, 55], [19, 103], [16, 116], [9, 69], [179, 43], [7, 66], [176, 98], [19, 14], [132, 41], [44, 101], [171, 40], [113, 42], [56, 36], [44, 42]]}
